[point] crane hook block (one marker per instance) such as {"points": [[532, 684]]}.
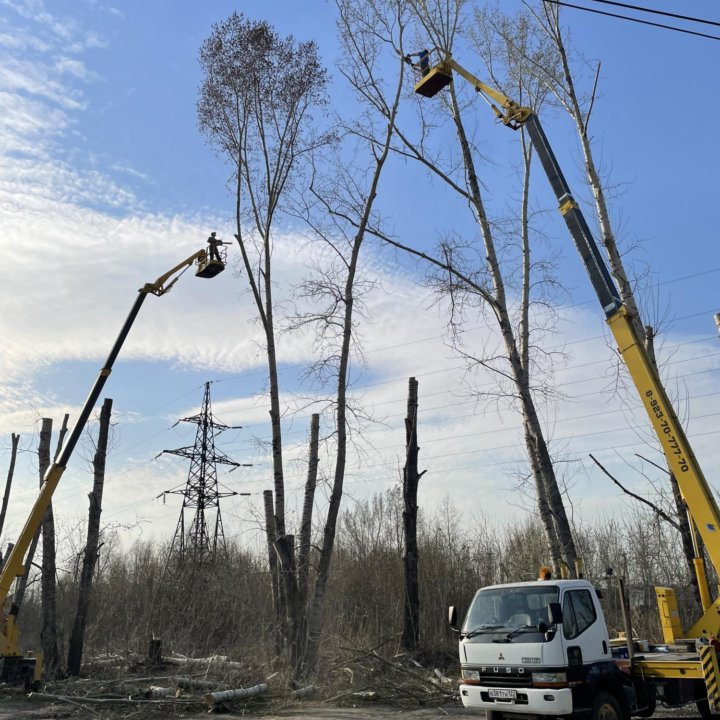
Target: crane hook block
{"points": [[432, 83]]}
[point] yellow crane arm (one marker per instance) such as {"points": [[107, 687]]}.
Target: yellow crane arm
{"points": [[507, 111], [695, 490], [14, 566]]}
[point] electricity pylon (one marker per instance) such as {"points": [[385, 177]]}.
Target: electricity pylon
{"points": [[196, 543]]}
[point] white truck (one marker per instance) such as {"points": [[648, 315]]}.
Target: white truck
{"points": [[543, 649]]}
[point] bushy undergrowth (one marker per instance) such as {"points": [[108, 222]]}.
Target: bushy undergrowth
{"points": [[227, 609]]}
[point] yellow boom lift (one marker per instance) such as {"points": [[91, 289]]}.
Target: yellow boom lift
{"points": [[14, 666], [696, 493]]}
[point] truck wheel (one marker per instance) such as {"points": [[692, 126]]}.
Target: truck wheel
{"points": [[703, 708], [493, 715], [606, 707]]}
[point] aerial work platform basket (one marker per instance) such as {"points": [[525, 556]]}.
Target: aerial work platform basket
{"points": [[212, 263], [433, 81]]}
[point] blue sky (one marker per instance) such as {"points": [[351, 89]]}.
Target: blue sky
{"points": [[106, 183]]}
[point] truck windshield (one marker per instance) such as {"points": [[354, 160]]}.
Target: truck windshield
{"points": [[509, 608]]}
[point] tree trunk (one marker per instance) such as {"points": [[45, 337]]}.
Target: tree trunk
{"points": [[77, 635], [22, 581], [533, 434], [316, 609], [411, 480], [277, 631], [531, 442], [285, 548], [15, 439], [303, 558], [581, 119], [48, 632]]}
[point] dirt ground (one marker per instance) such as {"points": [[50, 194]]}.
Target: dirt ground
{"points": [[13, 709], [18, 709]]}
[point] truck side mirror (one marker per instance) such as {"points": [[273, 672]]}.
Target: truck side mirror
{"points": [[555, 615], [452, 617]]}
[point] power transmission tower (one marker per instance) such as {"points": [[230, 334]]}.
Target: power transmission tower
{"points": [[195, 542]]}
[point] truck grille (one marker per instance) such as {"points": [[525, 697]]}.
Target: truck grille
{"points": [[502, 680]]}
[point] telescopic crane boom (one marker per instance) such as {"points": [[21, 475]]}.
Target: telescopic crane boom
{"points": [[13, 666], [694, 488]]}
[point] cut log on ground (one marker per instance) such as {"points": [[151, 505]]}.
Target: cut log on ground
{"points": [[304, 691], [224, 695]]}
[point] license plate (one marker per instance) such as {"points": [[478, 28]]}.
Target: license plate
{"points": [[502, 694]]}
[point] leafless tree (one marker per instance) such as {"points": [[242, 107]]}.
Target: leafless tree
{"points": [[476, 279], [257, 106], [337, 290], [92, 545], [560, 78]]}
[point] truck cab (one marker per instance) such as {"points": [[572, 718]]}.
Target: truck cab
{"points": [[540, 648]]}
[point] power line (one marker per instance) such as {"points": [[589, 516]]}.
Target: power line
{"points": [[635, 20], [658, 12]]}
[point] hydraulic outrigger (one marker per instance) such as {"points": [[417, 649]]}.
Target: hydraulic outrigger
{"points": [[696, 493], [14, 667]]}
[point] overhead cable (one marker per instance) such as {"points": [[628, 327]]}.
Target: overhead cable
{"points": [[632, 19]]}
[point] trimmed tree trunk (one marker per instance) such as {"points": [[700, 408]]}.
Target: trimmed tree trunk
{"points": [[273, 564], [411, 480], [285, 548], [48, 632], [303, 557], [8, 482], [22, 582], [77, 637]]}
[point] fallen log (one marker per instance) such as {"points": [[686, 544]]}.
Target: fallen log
{"points": [[156, 692], [304, 691], [218, 660], [220, 696]]}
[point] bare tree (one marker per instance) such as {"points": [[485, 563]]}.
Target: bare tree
{"points": [[341, 216], [256, 108], [559, 78], [92, 545], [483, 286]]}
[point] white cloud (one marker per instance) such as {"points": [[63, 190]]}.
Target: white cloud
{"points": [[76, 68]]}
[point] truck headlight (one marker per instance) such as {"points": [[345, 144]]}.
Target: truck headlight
{"points": [[549, 679], [471, 677]]}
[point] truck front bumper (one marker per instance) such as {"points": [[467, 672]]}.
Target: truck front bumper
{"points": [[529, 701]]}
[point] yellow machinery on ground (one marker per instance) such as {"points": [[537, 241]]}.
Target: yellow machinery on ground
{"points": [[14, 666], [696, 493]]}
